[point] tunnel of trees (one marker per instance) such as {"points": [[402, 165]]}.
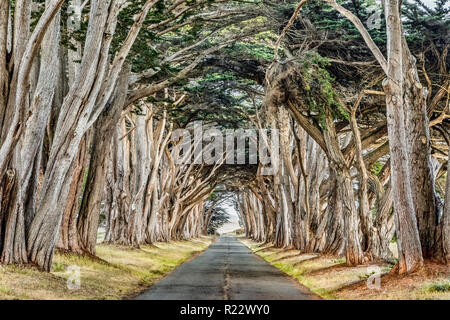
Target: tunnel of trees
{"points": [[91, 92]]}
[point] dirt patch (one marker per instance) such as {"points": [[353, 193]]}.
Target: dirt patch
{"points": [[432, 282]]}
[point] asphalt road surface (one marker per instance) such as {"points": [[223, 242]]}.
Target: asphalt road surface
{"points": [[227, 270]]}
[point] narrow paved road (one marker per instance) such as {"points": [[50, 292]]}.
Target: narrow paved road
{"points": [[227, 270]]}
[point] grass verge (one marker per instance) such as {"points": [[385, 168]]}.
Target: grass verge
{"points": [[330, 278], [119, 272]]}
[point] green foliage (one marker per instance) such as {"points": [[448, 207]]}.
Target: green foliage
{"points": [[366, 275], [376, 168], [425, 24], [220, 99], [338, 261], [325, 17], [318, 84], [213, 196], [151, 46], [58, 267], [394, 238], [143, 55], [439, 287], [258, 51]]}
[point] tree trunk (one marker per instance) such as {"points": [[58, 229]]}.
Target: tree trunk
{"points": [[27, 158], [4, 74], [141, 169], [421, 167], [410, 251], [446, 217], [353, 251], [68, 235], [335, 238], [73, 123], [119, 184], [103, 132]]}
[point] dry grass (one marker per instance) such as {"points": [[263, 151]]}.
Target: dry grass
{"points": [[120, 272], [332, 279]]}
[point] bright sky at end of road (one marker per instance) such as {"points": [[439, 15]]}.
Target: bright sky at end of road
{"points": [[233, 217]]}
